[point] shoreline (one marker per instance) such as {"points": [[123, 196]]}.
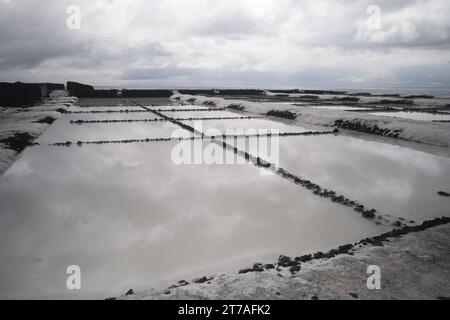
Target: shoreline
{"points": [[434, 133], [20, 127]]}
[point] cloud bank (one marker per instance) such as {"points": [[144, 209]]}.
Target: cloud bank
{"points": [[210, 43]]}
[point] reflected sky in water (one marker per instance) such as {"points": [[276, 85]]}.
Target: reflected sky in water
{"points": [[399, 181], [104, 108], [200, 114], [129, 217], [62, 130], [245, 124]]}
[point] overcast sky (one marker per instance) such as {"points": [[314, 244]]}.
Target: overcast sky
{"points": [[220, 43]]}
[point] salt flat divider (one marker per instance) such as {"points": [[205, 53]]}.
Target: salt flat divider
{"points": [[371, 214]]}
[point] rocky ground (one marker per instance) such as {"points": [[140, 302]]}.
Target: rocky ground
{"points": [[432, 133], [20, 127], [414, 261], [414, 264]]}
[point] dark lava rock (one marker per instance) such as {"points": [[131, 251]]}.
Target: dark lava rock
{"points": [[282, 114], [345, 248], [46, 120], [257, 267], [129, 292], [304, 258], [295, 269], [369, 214], [284, 261], [262, 163], [61, 110], [354, 295], [183, 283], [15, 95], [75, 86], [111, 299], [269, 266], [19, 141], [201, 280], [443, 194], [319, 255], [397, 223], [236, 107], [314, 298]]}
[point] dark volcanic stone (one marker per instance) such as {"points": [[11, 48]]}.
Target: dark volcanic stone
{"points": [[304, 258], [443, 194], [345, 248], [201, 280], [14, 95], [319, 255], [257, 267], [129, 292], [183, 283], [282, 114], [18, 141], [46, 120], [397, 223], [294, 269], [284, 261], [75, 86], [369, 214]]}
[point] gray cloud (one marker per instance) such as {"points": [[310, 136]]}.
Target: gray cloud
{"points": [[228, 43]]}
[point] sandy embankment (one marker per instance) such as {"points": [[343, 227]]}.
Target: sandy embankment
{"points": [[414, 265], [437, 134], [19, 127]]}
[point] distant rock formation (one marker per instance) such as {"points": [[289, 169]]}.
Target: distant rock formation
{"points": [[18, 94], [81, 90], [75, 86]]}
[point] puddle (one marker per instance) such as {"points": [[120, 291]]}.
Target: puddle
{"points": [[245, 124], [200, 114], [62, 130], [128, 216], [341, 108], [420, 116], [399, 181], [104, 108], [175, 107]]}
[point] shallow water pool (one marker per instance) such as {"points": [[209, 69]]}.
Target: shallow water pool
{"points": [[244, 125], [398, 181], [129, 217], [62, 131]]}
